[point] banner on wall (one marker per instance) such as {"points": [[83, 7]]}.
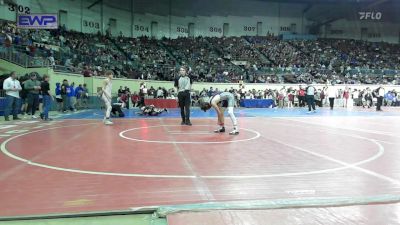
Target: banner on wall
{"points": [[240, 63], [47, 46]]}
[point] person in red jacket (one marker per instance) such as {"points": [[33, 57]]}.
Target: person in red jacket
{"points": [[346, 95], [135, 98], [302, 97]]}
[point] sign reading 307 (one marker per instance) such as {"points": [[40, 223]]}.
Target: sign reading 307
{"points": [[37, 21]]}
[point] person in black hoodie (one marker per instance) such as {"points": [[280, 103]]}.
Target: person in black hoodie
{"points": [[64, 95], [47, 98], [380, 93]]}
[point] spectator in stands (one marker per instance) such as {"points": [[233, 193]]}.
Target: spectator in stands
{"points": [[12, 87], [47, 98], [33, 88], [51, 60], [267, 59]]}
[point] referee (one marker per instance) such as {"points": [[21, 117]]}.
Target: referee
{"points": [[183, 84]]}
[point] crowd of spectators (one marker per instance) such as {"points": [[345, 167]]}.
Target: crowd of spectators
{"points": [[67, 96], [72, 97], [266, 59], [286, 96]]}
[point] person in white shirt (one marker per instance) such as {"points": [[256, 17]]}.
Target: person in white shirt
{"points": [[12, 87], [106, 96], [281, 97], [310, 92], [332, 94], [160, 93]]}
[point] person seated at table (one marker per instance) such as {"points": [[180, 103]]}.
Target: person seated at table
{"points": [[219, 102], [151, 110]]}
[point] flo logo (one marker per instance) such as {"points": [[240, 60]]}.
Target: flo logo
{"points": [[370, 15]]}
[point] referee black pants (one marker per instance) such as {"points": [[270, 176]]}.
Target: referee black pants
{"points": [[331, 102], [184, 104], [379, 103], [33, 103], [310, 102]]}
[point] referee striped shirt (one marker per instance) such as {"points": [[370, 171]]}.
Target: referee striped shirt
{"points": [[184, 84]]}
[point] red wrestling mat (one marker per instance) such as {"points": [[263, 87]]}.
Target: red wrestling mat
{"points": [[84, 166]]}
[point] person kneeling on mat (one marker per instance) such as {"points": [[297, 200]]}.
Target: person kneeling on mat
{"points": [[151, 110], [116, 110], [219, 102]]}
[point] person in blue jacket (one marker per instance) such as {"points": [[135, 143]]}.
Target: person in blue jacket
{"points": [[78, 95], [389, 97], [71, 97]]}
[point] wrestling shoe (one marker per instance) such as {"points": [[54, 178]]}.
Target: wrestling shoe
{"points": [[234, 132], [220, 130], [108, 122]]}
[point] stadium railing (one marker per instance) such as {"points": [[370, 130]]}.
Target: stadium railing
{"points": [[22, 59]]}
